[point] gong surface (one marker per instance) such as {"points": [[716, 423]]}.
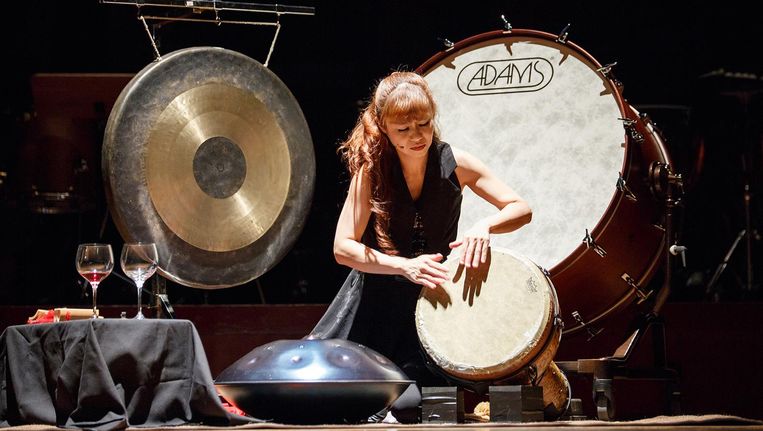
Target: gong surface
{"points": [[207, 154]]}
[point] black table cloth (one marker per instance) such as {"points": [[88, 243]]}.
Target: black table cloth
{"points": [[107, 374]]}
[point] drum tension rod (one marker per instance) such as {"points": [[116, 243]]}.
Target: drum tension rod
{"points": [[446, 42], [532, 374], [623, 187], [606, 71], [590, 243], [636, 288], [564, 34], [506, 24], [591, 330], [630, 126], [652, 125]]}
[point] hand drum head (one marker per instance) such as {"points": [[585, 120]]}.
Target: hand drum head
{"points": [[489, 323]]}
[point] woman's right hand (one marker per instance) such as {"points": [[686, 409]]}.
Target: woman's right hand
{"points": [[426, 270]]}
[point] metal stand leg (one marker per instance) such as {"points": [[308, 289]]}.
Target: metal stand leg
{"points": [[605, 370], [605, 401], [669, 186], [164, 309]]}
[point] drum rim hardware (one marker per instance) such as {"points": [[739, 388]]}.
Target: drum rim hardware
{"points": [[506, 24], [591, 330], [591, 244], [607, 71], [446, 43], [630, 127], [623, 187], [642, 296], [564, 34]]}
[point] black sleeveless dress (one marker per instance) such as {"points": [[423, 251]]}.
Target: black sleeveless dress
{"points": [[379, 310], [385, 317]]}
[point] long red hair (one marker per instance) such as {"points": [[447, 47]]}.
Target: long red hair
{"points": [[401, 96]]}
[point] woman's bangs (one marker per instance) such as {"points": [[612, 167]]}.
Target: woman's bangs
{"points": [[408, 102]]}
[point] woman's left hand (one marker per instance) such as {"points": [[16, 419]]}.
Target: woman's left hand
{"points": [[476, 242]]}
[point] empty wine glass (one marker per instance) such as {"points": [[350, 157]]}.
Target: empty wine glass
{"points": [[139, 262], [94, 263]]}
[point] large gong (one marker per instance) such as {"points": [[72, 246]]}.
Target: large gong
{"points": [[207, 154]]}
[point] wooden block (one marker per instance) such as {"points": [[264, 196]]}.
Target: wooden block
{"points": [[442, 405], [575, 412], [516, 403]]}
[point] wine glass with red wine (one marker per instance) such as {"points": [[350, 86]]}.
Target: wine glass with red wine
{"points": [[94, 263]]}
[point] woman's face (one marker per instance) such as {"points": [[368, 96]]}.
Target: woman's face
{"points": [[411, 138]]}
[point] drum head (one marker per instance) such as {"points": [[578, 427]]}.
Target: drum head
{"points": [[551, 126], [207, 154], [487, 323]]}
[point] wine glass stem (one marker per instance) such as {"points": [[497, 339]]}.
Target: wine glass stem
{"points": [[95, 291], [140, 305]]}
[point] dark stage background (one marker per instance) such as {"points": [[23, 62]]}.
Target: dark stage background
{"points": [[330, 62]]}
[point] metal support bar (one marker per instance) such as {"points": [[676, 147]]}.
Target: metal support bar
{"points": [[214, 6], [219, 5], [604, 371]]}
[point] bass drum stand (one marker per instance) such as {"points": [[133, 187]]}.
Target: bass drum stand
{"points": [[667, 186]]}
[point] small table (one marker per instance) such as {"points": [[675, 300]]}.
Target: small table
{"points": [[108, 374]]}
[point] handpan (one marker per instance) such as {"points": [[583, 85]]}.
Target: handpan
{"points": [[312, 382], [207, 154]]}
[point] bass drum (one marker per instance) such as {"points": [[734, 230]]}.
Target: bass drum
{"points": [[546, 118]]}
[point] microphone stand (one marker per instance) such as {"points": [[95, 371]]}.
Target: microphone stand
{"points": [[748, 233], [724, 263]]}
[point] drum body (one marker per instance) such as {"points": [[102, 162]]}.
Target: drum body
{"points": [[545, 118], [495, 324]]}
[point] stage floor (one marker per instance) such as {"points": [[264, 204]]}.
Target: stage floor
{"points": [[704, 349], [679, 423]]}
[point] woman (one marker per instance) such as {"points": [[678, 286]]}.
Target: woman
{"points": [[401, 217]]}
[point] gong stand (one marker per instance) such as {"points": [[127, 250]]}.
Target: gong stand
{"points": [[237, 212], [162, 304], [668, 186], [210, 11]]}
